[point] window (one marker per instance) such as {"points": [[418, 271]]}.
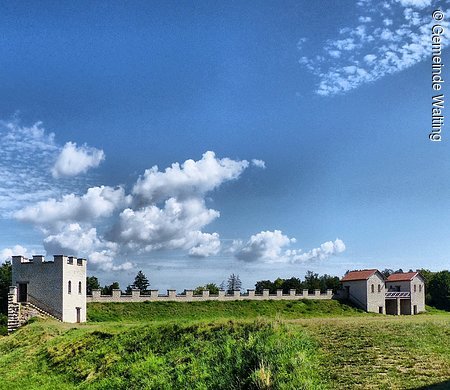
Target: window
{"points": [[420, 288], [69, 287], [373, 288], [379, 288], [415, 288], [79, 287]]}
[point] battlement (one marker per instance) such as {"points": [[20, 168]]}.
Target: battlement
{"points": [[188, 296], [40, 259]]}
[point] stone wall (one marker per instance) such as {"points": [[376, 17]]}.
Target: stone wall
{"points": [[13, 310], [172, 295]]}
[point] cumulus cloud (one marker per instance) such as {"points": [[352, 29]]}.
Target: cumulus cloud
{"points": [[165, 211], [74, 239], [272, 246], [205, 244], [96, 203], [259, 163], [177, 225], [16, 250], [325, 250], [74, 160], [266, 246], [192, 178], [394, 37]]}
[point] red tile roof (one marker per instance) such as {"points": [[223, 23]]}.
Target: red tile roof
{"points": [[359, 275], [404, 277]]}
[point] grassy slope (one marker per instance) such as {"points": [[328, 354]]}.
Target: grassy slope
{"points": [[214, 310], [196, 346]]}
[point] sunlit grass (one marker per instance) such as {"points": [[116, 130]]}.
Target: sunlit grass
{"points": [[230, 345]]}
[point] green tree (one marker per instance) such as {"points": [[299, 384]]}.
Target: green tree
{"points": [[91, 284], [141, 282], [312, 281], [428, 276], [5, 283], [439, 290], [264, 284], [107, 290], [234, 283], [211, 287], [328, 282], [292, 284]]}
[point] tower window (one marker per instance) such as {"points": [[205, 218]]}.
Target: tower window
{"points": [[379, 288], [373, 288], [69, 287], [415, 288], [79, 287]]}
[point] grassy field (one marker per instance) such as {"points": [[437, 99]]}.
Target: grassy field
{"points": [[234, 345]]}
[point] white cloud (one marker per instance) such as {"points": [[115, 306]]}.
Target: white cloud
{"points": [[27, 156], [365, 19], [265, 246], [192, 178], [166, 211], [74, 160], [396, 39], [271, 247], [370, 58], [25, 159], [74, 239], [175, 226], [96, 203], [415, 3], [16, 250], [206, 244], [259, 163], [325, 250]]}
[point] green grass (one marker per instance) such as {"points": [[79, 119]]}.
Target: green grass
{"points": [[230, 345], [229, 355], [214, 310], [404, 352]]}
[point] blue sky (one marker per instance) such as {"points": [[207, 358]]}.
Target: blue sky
{"points": [[300, 130]]}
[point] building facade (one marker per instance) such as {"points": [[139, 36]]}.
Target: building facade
{"points": [[56, 287], [405, 293], [401, 293], [366, 289]]}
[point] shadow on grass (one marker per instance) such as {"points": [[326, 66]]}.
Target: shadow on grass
{"points": [[438, 386]]}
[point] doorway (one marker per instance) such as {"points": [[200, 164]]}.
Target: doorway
{"points": [[347, 292], [23, 292], [415, 309], [78, 315]]}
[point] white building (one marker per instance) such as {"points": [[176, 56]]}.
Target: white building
{"points": [[366, 289], [400, 293], [405, 293], [57, 287]]}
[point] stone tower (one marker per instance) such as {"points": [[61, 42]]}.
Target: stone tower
{"points": [[55, 287]]}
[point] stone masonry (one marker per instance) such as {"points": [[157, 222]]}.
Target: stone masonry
{"points": [[172, 295]]}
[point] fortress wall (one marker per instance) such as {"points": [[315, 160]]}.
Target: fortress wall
{"points": [[171, 295]]}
